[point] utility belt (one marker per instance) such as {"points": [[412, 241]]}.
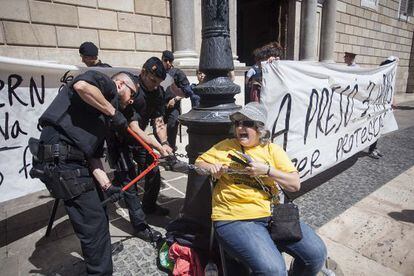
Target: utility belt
{"points": [[62, 183], [50, 153], [67, 184]]}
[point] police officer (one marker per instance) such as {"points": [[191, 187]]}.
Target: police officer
{"points": [[121, 159], [148, 106], [89, 54], [172, 101], [66, 157]]}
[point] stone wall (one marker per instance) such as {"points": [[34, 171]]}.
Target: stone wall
{"points": [[375, 34], [127, 32]]}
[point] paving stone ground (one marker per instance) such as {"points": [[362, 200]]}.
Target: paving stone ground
{"points": [[24, 249]]}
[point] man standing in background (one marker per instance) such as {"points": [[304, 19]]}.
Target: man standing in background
{"points": [[349, 59], [172, 101], [89, 54]]}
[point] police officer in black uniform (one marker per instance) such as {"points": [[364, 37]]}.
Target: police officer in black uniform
{"points": [[67, 156], [172, 101], [149, 107], [89, 54], [122, 146]]}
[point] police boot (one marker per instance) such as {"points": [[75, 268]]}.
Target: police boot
{"points": [[148, 234]]}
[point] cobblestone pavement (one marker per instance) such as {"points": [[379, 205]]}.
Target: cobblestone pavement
{"points": [[336, 190], [331, 193]]}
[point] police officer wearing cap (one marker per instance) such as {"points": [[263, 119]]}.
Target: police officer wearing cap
{"points": [[89, 54], [67, 156], [120, 148], [148, 107], [172, 100]]}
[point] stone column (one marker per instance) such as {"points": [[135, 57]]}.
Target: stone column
{"points": [[184, 33], [308, 32], [328, 31], [233, 31]]}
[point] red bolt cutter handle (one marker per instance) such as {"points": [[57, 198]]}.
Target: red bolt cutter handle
{"points": [[144, 172]]}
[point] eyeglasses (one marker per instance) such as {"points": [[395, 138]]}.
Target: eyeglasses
{"points": [[133, 92], [245, 124], [167, 60]]}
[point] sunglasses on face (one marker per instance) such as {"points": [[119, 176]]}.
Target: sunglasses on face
{"points": [[133, 92], [167, 60], [245, 124]]}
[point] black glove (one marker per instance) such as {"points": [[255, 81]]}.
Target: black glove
{"points": [[118, 121], [114, 193]]}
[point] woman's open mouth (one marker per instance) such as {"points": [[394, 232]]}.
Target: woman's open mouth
{"points": [[243, 136]]}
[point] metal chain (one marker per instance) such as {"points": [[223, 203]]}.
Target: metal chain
{"points": [[202, 171]]}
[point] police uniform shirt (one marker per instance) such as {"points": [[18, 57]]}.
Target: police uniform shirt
{"points": [[179, 77], [99, 80], [101, 64], [80, 122], [148, 105]]}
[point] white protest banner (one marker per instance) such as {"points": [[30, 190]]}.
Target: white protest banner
{"points": [[27, 87], [324, 113]]}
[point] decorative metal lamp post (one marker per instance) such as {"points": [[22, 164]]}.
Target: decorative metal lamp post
{"points": [[209, 123]]}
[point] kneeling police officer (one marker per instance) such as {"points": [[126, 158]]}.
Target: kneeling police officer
{"points": [[66, 157]]}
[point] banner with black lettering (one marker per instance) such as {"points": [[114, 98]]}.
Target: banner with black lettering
{"points": [[27, 87], [324, 113]]}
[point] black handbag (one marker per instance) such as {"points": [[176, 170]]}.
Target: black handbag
{"points": [[284, 225]]}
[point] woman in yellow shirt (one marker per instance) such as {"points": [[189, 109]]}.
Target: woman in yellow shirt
{"points": [[241, 209]]}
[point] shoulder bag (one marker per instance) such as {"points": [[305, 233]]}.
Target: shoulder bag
{"points": [[284, 225]]}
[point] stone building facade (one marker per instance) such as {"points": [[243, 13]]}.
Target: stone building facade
{"points": [[127, 32], [375, 30]]}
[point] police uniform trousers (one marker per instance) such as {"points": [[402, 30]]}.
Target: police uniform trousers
{"points": [[88, 218], [152, 179], [171, 116], [132, 201]]}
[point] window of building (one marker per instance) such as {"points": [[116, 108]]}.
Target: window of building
{"points": [[372, 4], [406, 8]]}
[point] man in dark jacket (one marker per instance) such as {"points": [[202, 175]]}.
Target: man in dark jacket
{"points": [[67, 156], [89, 54], [124, 149], [172, 100], [148, 107]]}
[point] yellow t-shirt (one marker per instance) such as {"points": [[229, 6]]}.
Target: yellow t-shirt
{"points": [[233, 197]]}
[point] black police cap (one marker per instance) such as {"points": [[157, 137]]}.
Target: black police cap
{"points": [[168, 55], [154, 66], [88, 49]]}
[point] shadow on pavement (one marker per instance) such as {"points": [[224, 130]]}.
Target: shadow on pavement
{"points": [[61, 255], [28, 222], [404, 215], [404, 107], [173, 204]]}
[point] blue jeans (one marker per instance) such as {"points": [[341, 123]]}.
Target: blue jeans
{"points": [[249, 241]]}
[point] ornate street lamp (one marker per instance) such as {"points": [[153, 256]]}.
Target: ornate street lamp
{"points": [[209, 123]]}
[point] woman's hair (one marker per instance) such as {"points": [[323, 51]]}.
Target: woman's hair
{"points": [[271, 49], [264, 135]]}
